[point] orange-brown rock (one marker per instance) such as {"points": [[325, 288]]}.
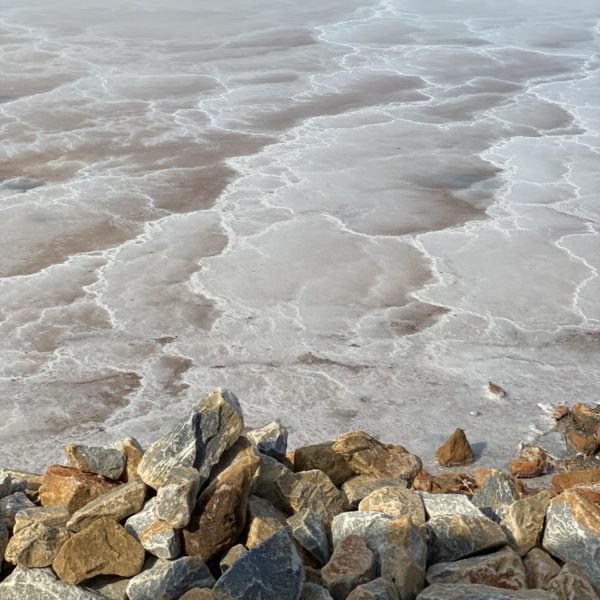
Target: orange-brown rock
{"points": [[133, 454], [591, 491], [527, 468], [586, 418], [560, 412], [102, 548], [446, 483], [569, 479], [456, 451], [322, 457], [221, 511], [584, 444], [71, 488]]}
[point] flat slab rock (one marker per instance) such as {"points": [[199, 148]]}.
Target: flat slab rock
{"points": [[437, 505], [450, 591], [42, 584]]}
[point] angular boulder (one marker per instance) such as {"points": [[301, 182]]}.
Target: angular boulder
{"points": [[359, 487], [572, 532], [263, 521], [437, 505], [270, 439], [455, 451], [11, 505], [310, 532], [176, 498], [372, 527], [395, 502], [118, 504], [351, 564], [540, 568], [169, 580], [322, 457], [197, 441], [133, 453], [56, 516], [221, 511], [36, 546], [106, 462], [102, 548], [272, 570], [573, 583]]}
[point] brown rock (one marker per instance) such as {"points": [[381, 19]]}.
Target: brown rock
{"points": [[395, 502], [263, 521], [220, 514], [583, 444], [359, 487], [133, 452], [569, 479], [102, 548], [310, 490], [447, 483], [72, 488], [368, 456], [456, 451], [573, 583], [351, 564], [540, 568], [586, 417], [56, 516], [526, 468], [322, 457], [590, 491], [36, 546], [233, 554], [560, 412]]}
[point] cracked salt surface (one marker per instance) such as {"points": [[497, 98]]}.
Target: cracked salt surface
{"points": [[354, 216]]}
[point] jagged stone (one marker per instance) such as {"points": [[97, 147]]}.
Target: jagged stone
{"points": [[233, 554], [540, 568], [220, 514], [359, 487], [118, 504], [270, 439], [583, 444], [462, 591], [56, 516], [270, 471], [403, 558], [23, 481], [322, 457], [453, 537], [106, 462], [176, 498], [310, 490], [395, 502], [351, 564], [133, 452], [4, 535], [5, 484], [42, 584], [314, 591], [197, 441], [271, 570], [586, 417], [502, 569], [524, 520], [263, 521], [310, 532], [569, 479], [455, 451], [71, 488], [156, 537], [572, 583], [11, 505], [168, 580], [573, 532], [368, 456], [101, 548], [378, 589], [437, 505], [446, 483], [495, 494], [372, 527], [36, 546]]}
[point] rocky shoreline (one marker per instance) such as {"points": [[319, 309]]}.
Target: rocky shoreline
{"points": [[211, 511]]}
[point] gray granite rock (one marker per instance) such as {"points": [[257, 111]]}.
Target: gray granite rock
{"points": [[540, 568], [42, 584], [5, 484], [573, 532], [462, 591], [437, 505], [11, 505], [453, 537], [503, 569], [309, 531], [107, 462], [156, 537], [352, 563], [168, 580], [378, 589], [118, 504], [314, 591], [111, 587], [372, 527], [359, 487], [176, 498], [270, 571], [270, 471], [57, 516], [270, 439], [495, 494], [572, 583], [197, 441]]}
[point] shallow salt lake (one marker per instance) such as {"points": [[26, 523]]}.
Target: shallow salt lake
{"points": [[353, 215]]}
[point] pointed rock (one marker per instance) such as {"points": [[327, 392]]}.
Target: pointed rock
{"points": [[106, 462], [395, 502], [197, 441], [456, 451], [540, 568], [271, 570], [168, 580], [118, 504], [102, 548], [309, 531], [36, 546], [176, 498], [270, 439]]}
